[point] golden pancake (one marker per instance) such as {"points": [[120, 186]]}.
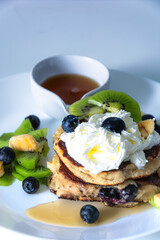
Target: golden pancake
{"points": [[126, 171], [66, 185]]}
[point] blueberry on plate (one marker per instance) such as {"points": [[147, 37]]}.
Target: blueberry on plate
{"points": [[69, 123], [89, 214], [30, 185], [34, 121], [114, 124], [7, 155]]}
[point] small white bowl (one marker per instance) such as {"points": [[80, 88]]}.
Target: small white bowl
{"points": [[51, 103]]}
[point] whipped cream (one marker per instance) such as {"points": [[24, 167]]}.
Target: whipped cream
{"points": [[98, 149]]}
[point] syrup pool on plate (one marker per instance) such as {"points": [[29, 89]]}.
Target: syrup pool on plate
{"points": [[70, 87], [67, 213]]}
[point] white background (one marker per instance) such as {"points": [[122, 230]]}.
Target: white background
{"points": [[123, 34]]}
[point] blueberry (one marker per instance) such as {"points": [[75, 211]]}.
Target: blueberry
{"points": [[34, 121], [157, 128], [30, 185], [89, 213], [69, 123], [114, 124], [109, 193], [7, 155], [114, 196], [147, 116], [128, 193]]}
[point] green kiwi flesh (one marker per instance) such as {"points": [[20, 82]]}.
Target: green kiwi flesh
{"points": [[43, 181], [151, 201], [112, 101], [83, 110], [18, 176], [38, 172], [27, 159], [4, 139], [24, 128], [44, 147], [21, 178], [7, 179], [38, 134]]}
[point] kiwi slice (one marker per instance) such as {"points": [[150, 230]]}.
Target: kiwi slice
{"points": [[83, 110], [38, 172], [24, 128], [27, 159], [18, 176], [21, 178], [112, 101], [39, 134], [44, 146], [4, 139], [43, 181], [7, 179], [151, 201]]}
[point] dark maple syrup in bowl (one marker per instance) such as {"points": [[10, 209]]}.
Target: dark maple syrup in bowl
{"points": [[70, 87]]}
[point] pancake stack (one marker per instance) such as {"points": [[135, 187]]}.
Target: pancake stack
{"points": [[123, 187]]}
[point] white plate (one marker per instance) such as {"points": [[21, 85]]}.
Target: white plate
{"points": [[16, 103]]}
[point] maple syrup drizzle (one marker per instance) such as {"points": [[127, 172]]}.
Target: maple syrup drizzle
{"points": [[67, 213]]}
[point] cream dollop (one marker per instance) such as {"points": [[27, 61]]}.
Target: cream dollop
{"points": [[98, 149]]}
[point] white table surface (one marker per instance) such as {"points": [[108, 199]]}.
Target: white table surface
{"points": [[123, 34]]}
